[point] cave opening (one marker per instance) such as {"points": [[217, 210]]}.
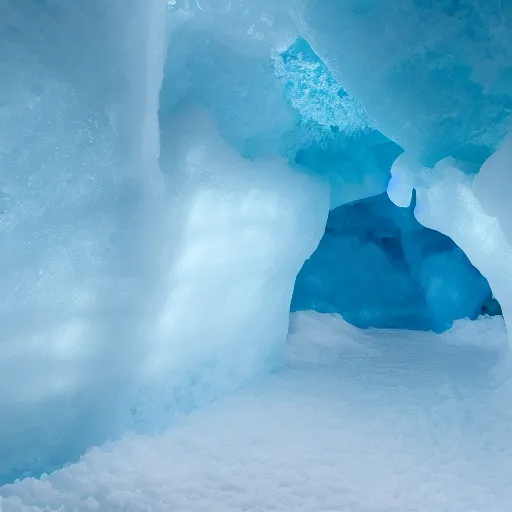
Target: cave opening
{"points": [[377, 266]]}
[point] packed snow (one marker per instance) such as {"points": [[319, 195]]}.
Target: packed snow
{"points": [[356, 421]]}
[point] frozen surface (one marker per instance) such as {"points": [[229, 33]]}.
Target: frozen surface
{"points": [[79, 181], [435, 75], [357, 421], [112, 249], [165, 169]]}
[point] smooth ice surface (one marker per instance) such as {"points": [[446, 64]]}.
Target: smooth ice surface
{"points": [[358, 421], [379, 267]]}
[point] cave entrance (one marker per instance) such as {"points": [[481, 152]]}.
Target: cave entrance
{"points": [[378, 267]]}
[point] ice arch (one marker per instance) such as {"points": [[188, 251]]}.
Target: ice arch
{"points": [[470, 209], [132, 271], [445, 98], [136, 281]]}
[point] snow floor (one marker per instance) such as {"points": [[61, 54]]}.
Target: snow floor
{"points": [[357, 421]]}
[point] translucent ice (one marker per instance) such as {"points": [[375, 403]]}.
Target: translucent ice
{"points": [[78, 185], [167, 166], [448, 200], [436, 76], [241, 232], [336, 138], [280, 100], [379, 267]]}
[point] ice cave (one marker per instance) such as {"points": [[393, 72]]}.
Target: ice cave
{"points": [[255, 255]]}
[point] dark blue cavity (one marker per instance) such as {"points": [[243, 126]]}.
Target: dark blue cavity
{"points": [[378, 267]]}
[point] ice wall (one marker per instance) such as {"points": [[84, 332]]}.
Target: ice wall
{"points": [[241, 230], [136, 284], [78, 183], [435, 75], [468, 208]]}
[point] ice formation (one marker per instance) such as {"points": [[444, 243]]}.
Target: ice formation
{"points": [[256, 220], [131, 274], [167, 167], [379, 267], [79, 189], [435, 75]]}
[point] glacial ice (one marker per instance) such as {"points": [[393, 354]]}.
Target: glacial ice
{"points": [[122, 266], [167, 167], [379, 267], [448, 200], [435, 75], [79, 184], [244, 230]]}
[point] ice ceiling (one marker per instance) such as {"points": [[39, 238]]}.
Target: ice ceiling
{"points": [[166, 168]]}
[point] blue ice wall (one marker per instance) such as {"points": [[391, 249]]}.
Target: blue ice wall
{"points": [[129, 270], [378, 267], [78, 160], [405, 276], [435, 75], [337, 138]]}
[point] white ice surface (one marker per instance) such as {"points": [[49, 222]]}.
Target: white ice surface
{"points": [[357, 421], [239, 231]]}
